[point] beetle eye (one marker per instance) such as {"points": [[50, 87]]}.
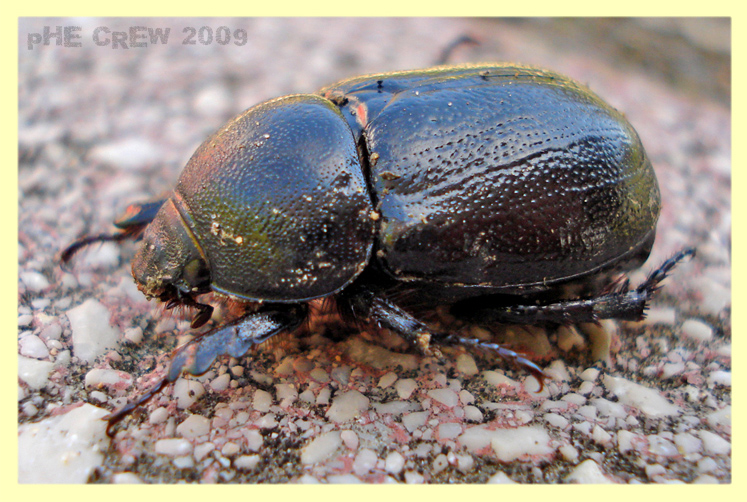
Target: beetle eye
{"points": [[196, 273]]}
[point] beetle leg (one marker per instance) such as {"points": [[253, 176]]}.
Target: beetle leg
{"points": [[233, 339], [621, 303], [388, 315]]}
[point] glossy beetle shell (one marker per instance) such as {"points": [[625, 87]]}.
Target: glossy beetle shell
{"points": [[501, 176], [490, 177]]}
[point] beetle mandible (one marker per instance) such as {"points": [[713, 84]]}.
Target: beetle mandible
{"points": [[487, 188]]}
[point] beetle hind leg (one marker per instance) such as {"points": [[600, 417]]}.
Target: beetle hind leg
{"points": [[619, 302]]}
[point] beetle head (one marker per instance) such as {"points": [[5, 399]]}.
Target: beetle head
{"points": [[169, 265]]}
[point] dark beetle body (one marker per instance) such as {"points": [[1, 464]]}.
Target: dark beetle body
{"points": [[471, 179], [505, 183]]}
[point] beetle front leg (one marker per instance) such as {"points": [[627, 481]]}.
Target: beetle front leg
{"points": [[623, 304], [233, 339]]}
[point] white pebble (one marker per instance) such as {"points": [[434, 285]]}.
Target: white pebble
{"points": [[585, 388], [720, 377], [473, 414], [34, 281], [187, 392], [405, 387], [98, 377], [262, 401], [569, 452], [129, 153], [713, 443], [394, 463], [697, 330], [247, 462], [574, 398], [465, 364], [64, 448], [608, 408], [220, 383], [349, 439], [254, 439], [556, 420], [654, 470], [184, 462], [174, 447], [500, 478], [449, 430], [158, 416], [321, 448], [93, 334], [347, 406], [414, 478], [32, 346], [412, 421], [103, 256], [649, 401], [134, 335], [589, 374], [661, 446], [364, 461], [720, 418], [671, 369], [587, 472], [193, 426], [510, 444], [387, 380], [687, 443], [660, 315], [447, 397], [126, 478], [202, 450], [34, 372], [625, 441], [497, 379], [230, 449], [286, 394], [395, 407]]}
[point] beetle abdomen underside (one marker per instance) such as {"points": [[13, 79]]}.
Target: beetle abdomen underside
{"points": [[506, 176]]}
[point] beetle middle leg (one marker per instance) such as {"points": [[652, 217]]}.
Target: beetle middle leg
{"points": [[364, 303], [233, 339]]}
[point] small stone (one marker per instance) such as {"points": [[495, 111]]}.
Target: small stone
{"points": [[465, 364], [247, 462], [405, 387], [347, 406], [93, 334], [587, 472], [193, 426], [394, 463], [321, 448], [697, 330], [33, 346], [714, 444], [387, 380], [34, 281], [173, 447], [134, 335], [262, 401], [364, 462], [220, 383], [447, 397]]}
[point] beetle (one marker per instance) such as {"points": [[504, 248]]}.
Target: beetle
{"points": [[488, 188]]}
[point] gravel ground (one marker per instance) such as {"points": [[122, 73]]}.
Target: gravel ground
{"points": [[102, 126]]}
